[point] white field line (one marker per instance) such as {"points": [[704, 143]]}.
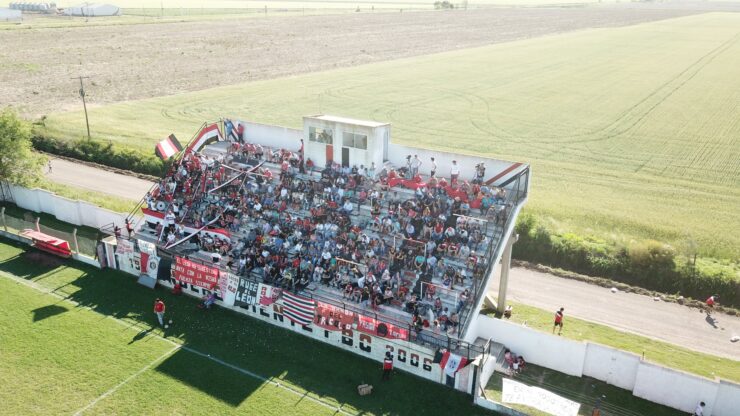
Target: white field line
{"points": [[124, 382], [35, 286]]}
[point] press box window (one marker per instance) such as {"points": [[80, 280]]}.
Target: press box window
{"points": [[357, 141], [319, 135]]}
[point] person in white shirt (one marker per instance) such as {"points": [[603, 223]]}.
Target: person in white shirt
{"points": [[454, 171], [433, 170], [348, 206], [415, 165], [699, 409]]}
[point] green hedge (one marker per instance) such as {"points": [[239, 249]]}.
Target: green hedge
{"points": [[648, 264], [104, 154]]}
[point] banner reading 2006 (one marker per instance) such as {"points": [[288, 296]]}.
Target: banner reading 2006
{"points": [[193, 273]]}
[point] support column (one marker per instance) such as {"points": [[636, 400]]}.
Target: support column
{"points": [[2, 214], [38, 228], [503, 285], [74, 238]]}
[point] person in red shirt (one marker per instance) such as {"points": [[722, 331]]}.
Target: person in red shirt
{"points": [[711, 301], [159, 309], [387, 366], [558, 321]]}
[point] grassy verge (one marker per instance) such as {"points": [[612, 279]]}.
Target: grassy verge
{"points": [[658, 352], [314, 369], [583, 390], [113, 203]]}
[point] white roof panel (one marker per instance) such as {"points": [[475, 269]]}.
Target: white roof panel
{"points": [[345, 120]]}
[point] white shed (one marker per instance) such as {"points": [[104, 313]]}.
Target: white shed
{"points": [[345, 141], [90, 10], [8, 15]]}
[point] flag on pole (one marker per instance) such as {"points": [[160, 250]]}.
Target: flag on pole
{"points": [[298, 309], [209, 134], [450, 363], [167, 147]]}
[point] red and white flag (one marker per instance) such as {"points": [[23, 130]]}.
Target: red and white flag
{"points": [[452, 363], [209, 134], [167, 147], [298, 309]]}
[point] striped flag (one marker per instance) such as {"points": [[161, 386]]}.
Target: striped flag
{"points": [[208, 134], [167, 147], [298, 309]]}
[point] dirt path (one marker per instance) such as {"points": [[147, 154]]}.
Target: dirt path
{"points": [[149, 60], [631, 312], [625, 311]]}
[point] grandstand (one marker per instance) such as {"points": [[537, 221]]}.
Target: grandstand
{"points": [[355, 225]]}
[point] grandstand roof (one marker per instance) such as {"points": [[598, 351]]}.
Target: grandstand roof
{"points": [[344, 120]]}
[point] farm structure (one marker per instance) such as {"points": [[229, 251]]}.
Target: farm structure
{"points": [[10, 15], [93, 10]]}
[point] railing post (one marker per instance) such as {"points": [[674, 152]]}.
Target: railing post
{"points": [[74, 238], [38, 227], [2, 214]]}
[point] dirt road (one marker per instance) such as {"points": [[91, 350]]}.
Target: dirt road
{"points": [[625, 311], [630, 312]]}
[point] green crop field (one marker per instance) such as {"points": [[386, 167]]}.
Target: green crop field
{"points": [[632, 132], [78, 340]]}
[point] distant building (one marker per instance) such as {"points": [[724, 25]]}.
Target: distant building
{"points": [[8, 15], [91, 10]]}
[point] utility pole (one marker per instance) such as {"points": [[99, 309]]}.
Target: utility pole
{"points": [[84, 105]]}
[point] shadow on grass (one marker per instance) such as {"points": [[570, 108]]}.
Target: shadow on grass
{"points": [[39, 314], [268, 351]]}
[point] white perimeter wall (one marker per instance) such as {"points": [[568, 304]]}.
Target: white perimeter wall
{"points": [[273, 136], [67, 210], [626, 370]]}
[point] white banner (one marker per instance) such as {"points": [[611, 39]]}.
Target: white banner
{"points": [[540, 399]]}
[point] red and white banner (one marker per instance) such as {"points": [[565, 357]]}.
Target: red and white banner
{"points": [[193, 273], [373, 326], [332, 317], [268, 294], [209, 134], [452, 363]]}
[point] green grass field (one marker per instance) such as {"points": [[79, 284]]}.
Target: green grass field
{"points": [[632, 132], [95, 350], [659, 352]]}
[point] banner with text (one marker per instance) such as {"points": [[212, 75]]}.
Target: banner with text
{"points": [[332, 317], [515, 392], [246, 293], [373, 326], [193, 273]]}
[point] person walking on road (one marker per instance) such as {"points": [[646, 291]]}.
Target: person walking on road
{"points": [[558, 321], [159, 311], [711, 301], [387, 366]]}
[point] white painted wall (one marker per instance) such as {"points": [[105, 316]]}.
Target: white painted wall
{"points": [[618, 368], [647, 380], [675, 389], [727, 401], [64, 209], [537, 347], [273, 136]]}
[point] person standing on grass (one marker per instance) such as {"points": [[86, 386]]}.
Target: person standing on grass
{"points": [[159, 311], [558, 321], [699, 409], [387, 366]]}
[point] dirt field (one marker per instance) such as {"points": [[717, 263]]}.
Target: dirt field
{"points": [[139, 61]]}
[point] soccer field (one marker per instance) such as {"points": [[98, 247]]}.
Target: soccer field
{"points": [[77, 340], [632, 132]]}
